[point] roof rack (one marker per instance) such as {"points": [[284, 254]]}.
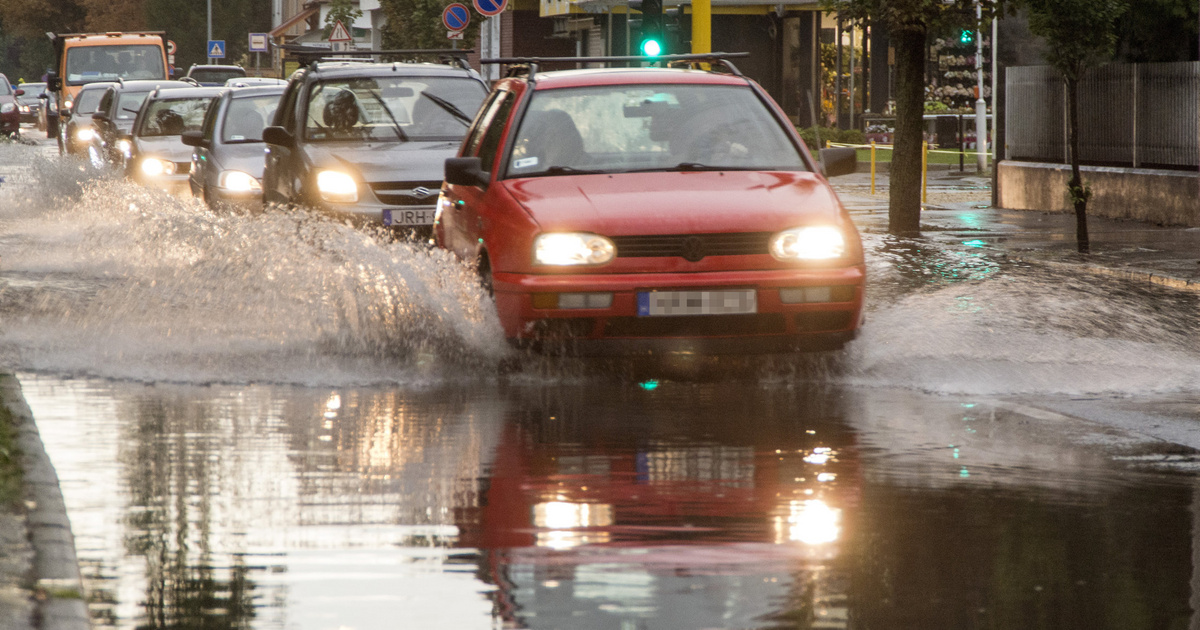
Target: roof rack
{"points": [[308, 55], [528, 66]]}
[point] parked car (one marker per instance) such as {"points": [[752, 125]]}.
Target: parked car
{"points": [[30, 102], [253, 82], [10, 113], [651, 211], [76, 126], [157, 155], [227, 152], [114, 117], [366, 141], [212, 75]]}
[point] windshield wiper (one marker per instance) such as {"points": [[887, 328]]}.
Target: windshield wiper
{"points": [[568, 170], [387, 110], [449, 107]]}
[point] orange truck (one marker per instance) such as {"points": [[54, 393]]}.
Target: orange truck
{"points": [[82, 58]]}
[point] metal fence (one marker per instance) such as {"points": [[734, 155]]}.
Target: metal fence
{"points": [[1140, 115]]}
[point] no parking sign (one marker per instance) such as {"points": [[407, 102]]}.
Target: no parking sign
{"points": [[456, 17], [490, 7]]}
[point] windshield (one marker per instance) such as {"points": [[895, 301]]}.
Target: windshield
{"points": [[392, 108], [649, 128], [129, 103], [173, 117], [87, 101], [32, 90], [215, 75], [5, 88], [88, 64], [246, 117]]}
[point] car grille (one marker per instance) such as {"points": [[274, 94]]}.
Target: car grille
{"points": [[692, 247], [407, 193]]}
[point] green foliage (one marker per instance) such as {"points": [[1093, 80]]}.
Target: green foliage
{"points": [[418, 24], [1078, 33], [1159, 31], [831, 134], [914, 14], [936, 107], [342, 11], [10, 469], [186, 23]]}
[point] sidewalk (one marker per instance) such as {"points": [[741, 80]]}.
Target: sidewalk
{"points": [[959, 208]]}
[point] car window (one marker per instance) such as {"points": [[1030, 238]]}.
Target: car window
{"points": [[215, 75], [172, 117], [128, 104], [88, 64], [210, 121], [476, 133], [88, 101], [495, 131], [5, 88], [650, 127], [392, 108], [245, 118]]}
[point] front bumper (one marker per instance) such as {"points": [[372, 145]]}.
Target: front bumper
{"points": [[10, 123], [775, 327], [175, 184]]}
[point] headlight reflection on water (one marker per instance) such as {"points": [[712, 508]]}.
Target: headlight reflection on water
{"points": [[810, 521]]}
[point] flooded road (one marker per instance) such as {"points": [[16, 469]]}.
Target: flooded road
{"points": [[274, 421]]}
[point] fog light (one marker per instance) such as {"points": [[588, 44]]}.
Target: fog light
{"points": [[572, 300], [808, 295]]}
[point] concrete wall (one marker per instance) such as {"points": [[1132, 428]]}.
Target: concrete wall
{"points": [[1156, 196]]}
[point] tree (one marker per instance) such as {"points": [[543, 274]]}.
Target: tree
{"points": [[909, 23], [342, 11], [418, 24], [186, 23], [1079, 34]]}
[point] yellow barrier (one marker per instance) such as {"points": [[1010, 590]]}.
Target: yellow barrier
{"points": [[924, 172], [872, 167]]}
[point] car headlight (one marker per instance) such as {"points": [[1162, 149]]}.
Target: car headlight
{"points": [[237, 181], [337, 186], [67, 104], [125, 147], [85, 134], [572, 248], [820, 242], [154, 167], [7, 108], [24, 109]]}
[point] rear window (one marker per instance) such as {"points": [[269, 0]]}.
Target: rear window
{"points": [[89, 64], [216, 75], [173, 117]]}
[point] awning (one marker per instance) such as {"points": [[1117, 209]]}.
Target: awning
{"points": [[294, 20]]}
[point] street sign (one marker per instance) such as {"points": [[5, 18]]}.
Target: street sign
{"points": [[216, 48], [258, 42], [456, 17], [490, 7], [170, 47], [454, 34], [340, 33]]}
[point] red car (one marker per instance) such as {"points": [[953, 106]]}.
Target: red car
{"points": [[10, 109], [651, 210]]}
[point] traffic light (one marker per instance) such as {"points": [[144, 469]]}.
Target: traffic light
{"points": [[966, 37], [651, 43]]}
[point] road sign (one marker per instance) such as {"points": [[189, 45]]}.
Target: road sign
{"points": [[456, 17], [216, 48], [454, 34], [490, 7], [258, 42], [170, 47], [340, 33]]}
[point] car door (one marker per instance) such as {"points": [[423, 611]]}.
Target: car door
{"points": [[204, 171], [463, 215], [278, 176], [103, 126]]}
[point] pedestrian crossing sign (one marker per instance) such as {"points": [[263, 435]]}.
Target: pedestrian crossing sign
{"points": [[216, 48]]}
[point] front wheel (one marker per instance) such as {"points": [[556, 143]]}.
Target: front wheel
{"points": [[484, 269]]}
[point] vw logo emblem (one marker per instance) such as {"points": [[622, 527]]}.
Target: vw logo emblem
{"points": [[692, 248], [421, 192]]}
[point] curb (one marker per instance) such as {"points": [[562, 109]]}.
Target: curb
{"points": [[1133, 275], [58, 586]]}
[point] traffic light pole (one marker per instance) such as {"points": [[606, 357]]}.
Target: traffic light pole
{"points": [[981, 138], [701, 26]]}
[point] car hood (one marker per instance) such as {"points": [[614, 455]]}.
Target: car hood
{"points": [[247, 157], [677, 202], [166, 147], [386, 161]]}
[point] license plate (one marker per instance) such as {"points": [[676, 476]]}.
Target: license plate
{"points": [[727, 302], [408, 216]]}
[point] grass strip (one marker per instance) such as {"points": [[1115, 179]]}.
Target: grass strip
{"points": [[10, 456]]}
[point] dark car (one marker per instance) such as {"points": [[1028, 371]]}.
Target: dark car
{"points": [[48, 114], [157, 155], [114, 117], [366, 141], [10, 112], [227, 158], [651, 211], [210, 75], [76, 130], [30, 102]]}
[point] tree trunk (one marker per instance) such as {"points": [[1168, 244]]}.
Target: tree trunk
{"points": [[1079, 195], [904, 203]]}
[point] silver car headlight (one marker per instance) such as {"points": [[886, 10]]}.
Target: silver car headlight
{"points": [[238, 181], [85, 134], [572, 248], [337, 186], [155, 167], [125, 147], [819, 242], [7, 108]]}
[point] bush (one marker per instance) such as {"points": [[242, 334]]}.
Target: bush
{"points": [[831, 134]]}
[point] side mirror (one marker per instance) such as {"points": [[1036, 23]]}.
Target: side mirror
{"points": [[19, 93], [838, 161], [43, 96], [278, 136], [195, 139], [99, 115], [466, 171]]}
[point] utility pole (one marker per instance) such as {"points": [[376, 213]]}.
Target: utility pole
{"points": [[980, 104], [210, 59]]}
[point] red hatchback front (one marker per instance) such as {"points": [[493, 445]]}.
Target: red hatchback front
{"points": [[632, 211]]}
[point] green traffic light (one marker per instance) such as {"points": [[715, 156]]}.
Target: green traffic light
{"points": [[966, 37], [651, 48]]}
